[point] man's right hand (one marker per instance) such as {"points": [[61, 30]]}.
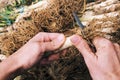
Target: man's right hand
{"points": [[105, 63]]}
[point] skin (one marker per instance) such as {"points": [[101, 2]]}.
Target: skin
{"points": [[105, 62], [30, 54], [102, 65]]}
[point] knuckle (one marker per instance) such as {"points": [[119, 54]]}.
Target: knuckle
{"points": [[108, 43], [81, 45], [116, 44], [78, 45], [103, 41], [53, 45], [78, 41], [42, 47]]}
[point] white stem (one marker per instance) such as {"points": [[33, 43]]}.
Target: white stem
{"points": [[110, 8], [66, 44], [41, 5], [2, 57], [28, 10], [89, 16], [103, 4]]}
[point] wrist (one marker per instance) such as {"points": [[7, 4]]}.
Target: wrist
{"points": [[10, 68], [107, 76]]}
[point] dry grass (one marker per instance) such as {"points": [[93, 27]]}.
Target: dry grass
{"points": [[57, 17]]}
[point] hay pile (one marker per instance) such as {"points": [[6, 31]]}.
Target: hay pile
{"points": [[56, 16], [108, 28]]}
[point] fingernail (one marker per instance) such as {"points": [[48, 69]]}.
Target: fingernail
{"points": [[75, 39]]}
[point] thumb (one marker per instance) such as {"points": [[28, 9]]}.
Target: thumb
{"points": [[53, 44], [82, 46]]}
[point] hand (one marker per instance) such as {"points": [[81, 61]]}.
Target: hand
{"points": [[31, 53], [105, 63]]}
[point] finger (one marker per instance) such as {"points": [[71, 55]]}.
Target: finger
{"points": [[49, 60], [103, 45], [44, 62], [53, 57], [63, 53], [117, 48], [82, 46], [56, 56], [43, 36], [54, 44]]}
